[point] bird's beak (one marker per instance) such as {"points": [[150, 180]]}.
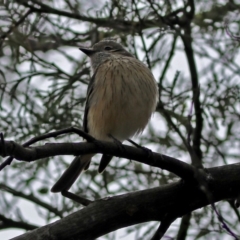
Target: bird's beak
{"points": [[87, 51]]}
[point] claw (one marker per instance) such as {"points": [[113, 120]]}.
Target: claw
{"points": [[147, 150]]}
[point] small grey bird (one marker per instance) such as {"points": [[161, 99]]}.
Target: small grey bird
{"points": [[121, 97]]}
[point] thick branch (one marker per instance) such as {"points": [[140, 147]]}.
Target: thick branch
{"points": [[106, 215], [182, 169]]}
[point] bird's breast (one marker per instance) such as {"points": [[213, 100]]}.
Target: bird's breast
{"points": [[123, 98]]}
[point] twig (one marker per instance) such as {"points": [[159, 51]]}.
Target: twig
{"points": [[141, 34], [206, 190], [31, 198], [223, 222], [14, 26], [167, 62], [197, 136], [121, 25], [78, 131], [189, 129], [57, 133], [184, 226], [229, 33], [3, 143], [163, 227], [76, 198], [10, 223]]}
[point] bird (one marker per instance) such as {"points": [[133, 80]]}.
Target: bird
{"points": [[121, 98]]}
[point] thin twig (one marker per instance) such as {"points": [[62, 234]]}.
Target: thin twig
{"points": [[76, 198], [196, 154], [141, 35], [167, 62], [14, 26], [223, 222], [229, 33], [10, 223], [189, 129], [3, 143], [31, 198], [78, 131]]}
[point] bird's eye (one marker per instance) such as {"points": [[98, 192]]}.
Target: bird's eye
{"points": [[108, 48]]}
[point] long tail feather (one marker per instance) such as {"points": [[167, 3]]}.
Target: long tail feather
{"points": [[71, 173], [105, 160]]}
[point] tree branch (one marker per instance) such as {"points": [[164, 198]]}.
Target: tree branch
{"points": [[196, 153], [181, 169], [43, 137], [14, 26], [32, 198], [184, 226], [163, 227], [106, 215], [117, 24], [9, 223]]}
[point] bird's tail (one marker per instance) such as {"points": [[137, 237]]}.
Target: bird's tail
{"points": [[67, 179], [105, 160]]}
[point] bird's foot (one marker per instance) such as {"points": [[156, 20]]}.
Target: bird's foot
{"points": [[146, 150]]}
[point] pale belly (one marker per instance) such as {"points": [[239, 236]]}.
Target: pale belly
{"points": [[122, 100]]}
